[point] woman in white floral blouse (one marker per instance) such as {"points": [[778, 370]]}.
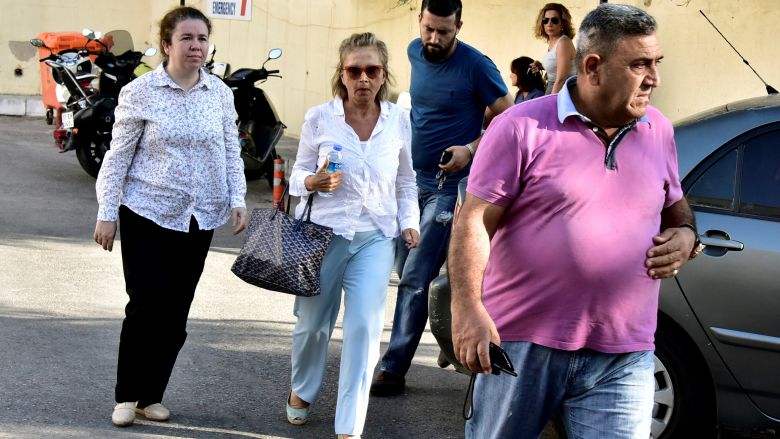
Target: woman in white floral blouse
{"points": [[373, 200], [173, 174]]}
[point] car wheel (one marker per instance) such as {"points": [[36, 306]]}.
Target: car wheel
{"points": [[684, 401]]}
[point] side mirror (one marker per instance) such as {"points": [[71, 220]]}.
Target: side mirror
{"points": [[275, 53], [37, 42], [150, 52], [89, 33]]}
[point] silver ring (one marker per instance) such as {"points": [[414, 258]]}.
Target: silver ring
{"points": [[675, 272]]}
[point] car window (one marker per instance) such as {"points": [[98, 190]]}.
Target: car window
{"points": [[715, 186], [760, 179]]}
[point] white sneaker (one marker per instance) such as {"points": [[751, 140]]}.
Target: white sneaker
{"points": [[155, 412], [124, 414]]}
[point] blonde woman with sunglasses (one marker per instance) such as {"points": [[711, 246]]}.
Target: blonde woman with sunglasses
{"points": [[554, 25], [373, 200]]}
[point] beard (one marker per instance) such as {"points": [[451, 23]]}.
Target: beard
{"points": [[436, 53]]}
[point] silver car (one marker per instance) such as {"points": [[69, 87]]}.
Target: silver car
{"points": [[718, 337]]}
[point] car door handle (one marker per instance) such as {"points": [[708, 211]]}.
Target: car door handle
{"points": [[719, 241]]}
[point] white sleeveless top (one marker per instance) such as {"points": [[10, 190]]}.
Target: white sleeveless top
{"points": [[550, 64]]}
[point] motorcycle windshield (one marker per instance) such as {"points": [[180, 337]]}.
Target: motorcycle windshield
{"points": [[118, 41]]}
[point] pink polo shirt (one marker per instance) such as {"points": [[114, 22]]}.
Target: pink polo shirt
{"points": [[566, 267]]}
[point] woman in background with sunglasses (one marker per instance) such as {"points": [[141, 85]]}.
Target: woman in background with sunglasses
{"points": [[554, 25], [372, 200]]}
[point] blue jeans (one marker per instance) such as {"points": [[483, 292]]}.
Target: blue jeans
{"points": [[361, 268], [598, 395], [417, 268]]}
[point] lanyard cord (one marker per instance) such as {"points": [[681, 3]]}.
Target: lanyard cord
{"points": [[468, 404]]}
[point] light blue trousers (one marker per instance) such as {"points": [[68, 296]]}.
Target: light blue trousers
{"points": [[361, 268]]}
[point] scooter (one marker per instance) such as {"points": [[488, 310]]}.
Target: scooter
{"points": [[259, 126], [92, 125]]}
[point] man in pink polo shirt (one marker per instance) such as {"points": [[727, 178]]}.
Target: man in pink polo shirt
{"points": [[573, 215]]}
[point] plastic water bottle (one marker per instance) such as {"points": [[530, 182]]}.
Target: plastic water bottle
{"points": [[334, 164]]}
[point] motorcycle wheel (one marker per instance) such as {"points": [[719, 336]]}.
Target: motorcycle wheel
{"points": [[90, 155], [253, 174], [255, 171]]}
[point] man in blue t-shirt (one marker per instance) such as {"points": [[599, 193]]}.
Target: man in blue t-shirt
{"points": [[455, 91]]}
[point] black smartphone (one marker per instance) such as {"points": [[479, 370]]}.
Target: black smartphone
{"points": [[446, 156], [500, 361]]}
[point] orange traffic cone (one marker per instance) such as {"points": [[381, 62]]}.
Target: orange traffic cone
{"points": [[279, 182]]}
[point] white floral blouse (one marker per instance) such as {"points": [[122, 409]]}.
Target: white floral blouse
{"points": [[174, 154]]}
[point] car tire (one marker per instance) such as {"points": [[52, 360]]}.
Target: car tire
{"points": [[684, 399]]}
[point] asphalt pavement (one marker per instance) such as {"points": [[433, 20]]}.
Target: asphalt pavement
{"points": [[61, 305]]}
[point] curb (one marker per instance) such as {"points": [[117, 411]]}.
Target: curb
{"points": [[22, 105]]}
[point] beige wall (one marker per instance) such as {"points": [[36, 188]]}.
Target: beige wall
{"points": [[699, 70]]}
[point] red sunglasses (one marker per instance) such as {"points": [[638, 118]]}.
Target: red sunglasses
{"points": [[355, 72]]}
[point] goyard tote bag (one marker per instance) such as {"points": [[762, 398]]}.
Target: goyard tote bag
{"points": [[282, 253]]}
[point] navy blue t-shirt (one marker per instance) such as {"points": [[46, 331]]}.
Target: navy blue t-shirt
{"points": [[448, 106]]}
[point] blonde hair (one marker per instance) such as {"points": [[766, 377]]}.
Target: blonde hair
{"points": [[357, 41]]}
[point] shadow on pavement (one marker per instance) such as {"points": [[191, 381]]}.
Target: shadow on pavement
{"points": [[231, 380]]}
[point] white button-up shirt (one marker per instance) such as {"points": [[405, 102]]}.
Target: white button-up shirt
{"points": [[174, 154], [379, 179]]}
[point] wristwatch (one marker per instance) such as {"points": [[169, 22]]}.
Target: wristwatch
{"points": [[470, 148], [698, 247]]}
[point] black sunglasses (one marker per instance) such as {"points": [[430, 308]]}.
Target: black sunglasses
{"points": [[500, 362], [554, 20]]}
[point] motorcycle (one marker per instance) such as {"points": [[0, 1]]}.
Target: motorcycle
{"points": [[73, 74], [259, 126], [119, 64]]}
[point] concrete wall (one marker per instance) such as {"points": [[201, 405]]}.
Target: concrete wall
{"points": [[699, 70]]}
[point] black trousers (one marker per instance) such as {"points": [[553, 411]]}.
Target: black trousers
{"points": [[162, 268]]}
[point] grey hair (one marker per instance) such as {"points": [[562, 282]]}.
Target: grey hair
{"points": [[603, 27]]}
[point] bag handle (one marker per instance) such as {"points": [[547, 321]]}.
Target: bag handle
{"points": [[306, 211], [278, 207]]}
